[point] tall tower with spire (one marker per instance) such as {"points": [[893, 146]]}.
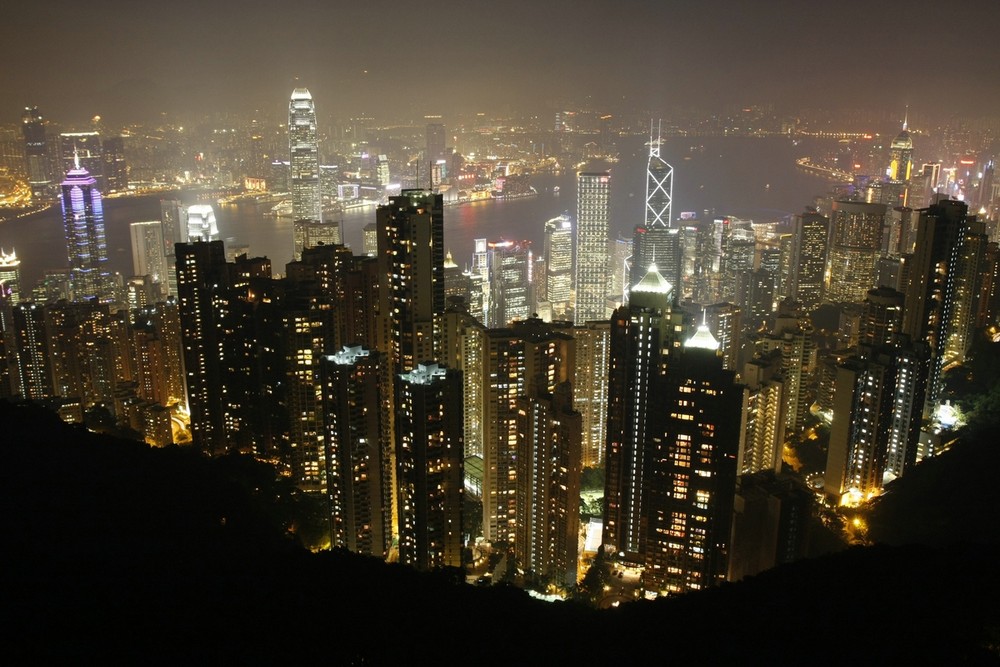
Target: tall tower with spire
{"points": [[303, 148], [900, 165], [86, 246], [659, 184], [654, 241]]}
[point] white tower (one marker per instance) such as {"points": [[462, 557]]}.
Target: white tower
{"points": [[303, 149]]}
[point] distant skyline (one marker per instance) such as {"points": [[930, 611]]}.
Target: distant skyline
{"points": [[127, 62]]}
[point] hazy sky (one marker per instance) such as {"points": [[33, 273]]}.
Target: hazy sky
{"points": [[118, 58]]}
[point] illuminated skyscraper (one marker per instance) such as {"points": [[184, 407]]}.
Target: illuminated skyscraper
{"points": [[201, 224], [527, 359], [590, 388], [877, 411], [738, 249], [901, 165], [411, 276], [357, 452], [765, 416], [558, 265], [548, 483], [792, 335], [808, 260], [654, 241], [36, 155], [931, 297], [428, 443], [26, 349], [434, 154], [115, 168], [593, 212], [147, 252], [969, 285], [202, 280], [86, 247], [659, 188], [725, 322], [660, 246], [510, 290], [303, 148], [856, 241], [10, 276], [311, 233], [692, 463], [643, 333]]}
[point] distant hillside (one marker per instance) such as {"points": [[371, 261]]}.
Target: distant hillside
{"points": [[119, 553]]}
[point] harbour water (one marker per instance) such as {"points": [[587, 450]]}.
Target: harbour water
{"points": [[752, 178]]}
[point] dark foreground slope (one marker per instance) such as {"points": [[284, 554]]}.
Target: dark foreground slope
{"points": [[118, 553]]}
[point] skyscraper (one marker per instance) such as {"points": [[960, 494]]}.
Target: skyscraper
{"points": [[558, 264], [303, 148], [36, 154], [856, 241], [86, 247], [900, 168], [411, 276], [659, 188], [357, 451], [808, 261], [590, 388], [654, 241], [548, 483], [202, 280], [509, 265], [429, 467], [147, 252], [433, 154], [643, 332], [10, 276], [738, 249], [692, 464], [201, 224], [26, 349], [877, 411], [930, 297], [115, 168], [593, 213], [660, 246]]}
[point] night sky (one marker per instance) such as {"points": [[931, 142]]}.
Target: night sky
{"points": [[128, 60]]}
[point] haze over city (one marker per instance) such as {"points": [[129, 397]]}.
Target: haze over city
{"points": [[124, 63]]}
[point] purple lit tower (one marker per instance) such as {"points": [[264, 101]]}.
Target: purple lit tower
{"points": [[86, 248]]}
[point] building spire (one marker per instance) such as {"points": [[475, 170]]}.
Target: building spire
{"points": [[906, 116], [654, 144], [76, 157]]}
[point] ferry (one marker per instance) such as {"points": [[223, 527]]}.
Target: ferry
{"points": [[282, 209]]}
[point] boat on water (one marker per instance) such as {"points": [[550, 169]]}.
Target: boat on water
{"points": [[283, 209]]}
